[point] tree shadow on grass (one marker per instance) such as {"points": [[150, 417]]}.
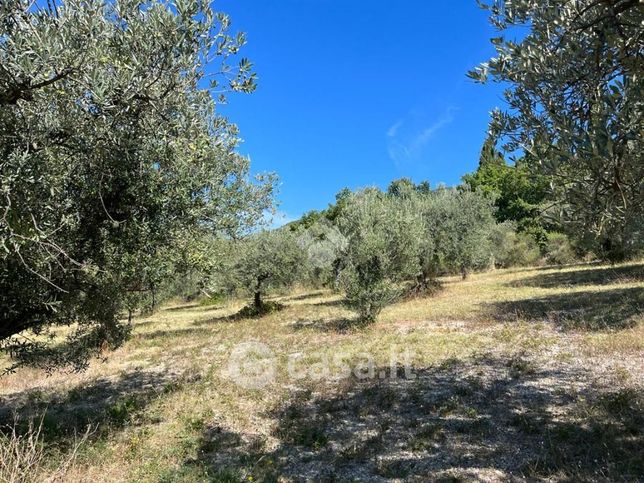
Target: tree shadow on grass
{"points": [[227, 456], [247, 312], [484, 419], [595, 276], [101, 405], [542, 268], [223, 319], [159, 334], [181, 308], [604, 310], [305, 296], [340, 325], [331, 303]]}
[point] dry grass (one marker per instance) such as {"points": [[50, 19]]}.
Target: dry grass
{"points": [[547, 362], [23, 455]]}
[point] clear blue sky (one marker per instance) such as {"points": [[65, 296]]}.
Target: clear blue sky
{"points": [[355, 93]]}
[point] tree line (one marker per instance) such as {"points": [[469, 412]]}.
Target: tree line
{"points": [[376, 247]]}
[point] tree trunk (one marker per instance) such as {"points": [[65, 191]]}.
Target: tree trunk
{"points": [[425, 283], [337, 270], [257, 302]]}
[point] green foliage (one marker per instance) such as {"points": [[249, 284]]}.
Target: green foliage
{"points": [[559, 250], [307, 220], [575, 112], [324, 246], [216, 299], [410, 234], [112, 161], [458, 222], [406, 188], [330, 214], [265, 261], [511, 248], [341, 199], [518, 193], [368, 290], [382, 236]]}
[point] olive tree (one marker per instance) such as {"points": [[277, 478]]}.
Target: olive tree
{"points": [[512, 248], [459, 223], [266, 261], [410, 234], [383, 237], [575, 110], [324, 246], [111, 154]]}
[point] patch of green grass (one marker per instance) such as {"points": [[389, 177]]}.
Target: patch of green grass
{"points": [[266, 308], [215, 299]]}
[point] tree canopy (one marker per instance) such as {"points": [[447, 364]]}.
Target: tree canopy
{"points": [[111, 154], [264, 261], [519, 193], [575, 111], [398, 242]]}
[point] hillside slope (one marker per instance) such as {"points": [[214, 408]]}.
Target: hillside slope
{"points": [[532, 373]]}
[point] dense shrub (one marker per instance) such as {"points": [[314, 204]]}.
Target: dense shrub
{"points": [[559, 250], [512, 249]]}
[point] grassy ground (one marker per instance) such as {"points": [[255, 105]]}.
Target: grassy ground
{"points": [[534, 374]]}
